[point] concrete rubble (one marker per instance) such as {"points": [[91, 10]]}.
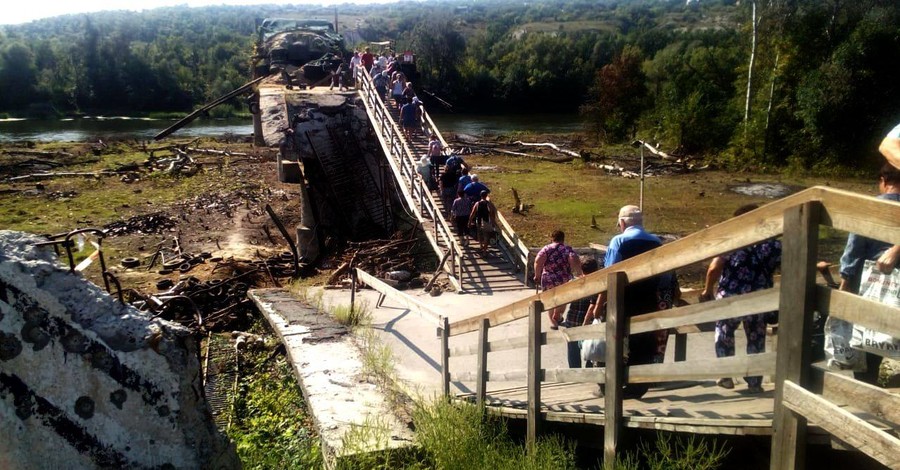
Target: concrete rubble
{"points": [[87, 382]]}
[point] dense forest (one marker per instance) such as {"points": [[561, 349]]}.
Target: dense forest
{"points": [[805, 83]]}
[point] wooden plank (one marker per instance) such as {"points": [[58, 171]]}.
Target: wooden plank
{"points": [[481, 384], [406, 301], [495, 376], [445, 357], [704, 369], [847, 427], [845, 391], [864, 215], [615, 369], [798, 290], [534, 367], [729, 307], [855, 309], [747, 229], [589, 375]]}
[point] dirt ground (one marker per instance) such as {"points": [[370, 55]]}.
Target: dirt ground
{"points": [[213, 208], [215, 204]]}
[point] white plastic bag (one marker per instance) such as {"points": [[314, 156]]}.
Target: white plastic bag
{"points": [[593, 350], [837, 346], [884, 288]]}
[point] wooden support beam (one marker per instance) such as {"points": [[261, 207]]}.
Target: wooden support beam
{"points": [[858, 310], [845, 391], [615, 368], [481, 385], [798, 301], [680, 347], [445, 357], [843, 424], [534, 374]]}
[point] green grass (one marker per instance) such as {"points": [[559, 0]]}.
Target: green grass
{"points": [[270, 426], [567, 195], [360, 315], [678, 453]]}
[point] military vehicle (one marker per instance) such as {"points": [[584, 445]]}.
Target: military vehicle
{"points": [[307, 50]]}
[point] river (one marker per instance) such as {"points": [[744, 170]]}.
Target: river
{"points": [[118, 128]]}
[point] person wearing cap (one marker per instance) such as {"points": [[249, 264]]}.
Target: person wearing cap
{"points": [[474, 189], [644, 296]]}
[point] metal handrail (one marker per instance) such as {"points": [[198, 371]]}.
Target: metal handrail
{"points": [[403, 162]]}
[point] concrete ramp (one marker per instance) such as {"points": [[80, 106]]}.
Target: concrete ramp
{"points": [[87, 382], [328, 365]]}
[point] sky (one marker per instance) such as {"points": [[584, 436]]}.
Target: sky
{"points": [[17, 12]]}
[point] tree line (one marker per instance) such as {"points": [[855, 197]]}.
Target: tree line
{"points": [[807, 83]]}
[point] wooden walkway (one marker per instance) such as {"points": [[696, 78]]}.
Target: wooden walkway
{"points": [[801, 402], [503, 267]]}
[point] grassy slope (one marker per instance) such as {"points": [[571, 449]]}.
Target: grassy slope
{"points": [[565, 196]]}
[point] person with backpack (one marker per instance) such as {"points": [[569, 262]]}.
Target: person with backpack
{"points": [[483, 218]]}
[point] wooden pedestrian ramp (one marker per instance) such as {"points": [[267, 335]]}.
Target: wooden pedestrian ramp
{"points": [[801, 401], [503, 267]]}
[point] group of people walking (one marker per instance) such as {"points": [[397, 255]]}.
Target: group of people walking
{"points": [[740, 272]]}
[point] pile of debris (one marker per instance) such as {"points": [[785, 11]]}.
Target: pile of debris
{"points": [[156, 222], [219, 303], [392, 260]]}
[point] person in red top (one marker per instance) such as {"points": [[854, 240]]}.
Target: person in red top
{"points": [[367, 59]]}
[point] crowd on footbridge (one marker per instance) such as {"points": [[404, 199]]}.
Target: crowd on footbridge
{"points": [[467, 203]]}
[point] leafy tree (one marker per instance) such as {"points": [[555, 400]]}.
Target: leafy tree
{"points": [[17, 75], [616, 99]]}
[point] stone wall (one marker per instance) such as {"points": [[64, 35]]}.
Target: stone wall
{"points": [[87, 382]]}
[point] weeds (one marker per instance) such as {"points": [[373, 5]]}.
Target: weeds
{"points": [[461, 436], [358, 316], [270, 427], [676, 453], [377, 358]]}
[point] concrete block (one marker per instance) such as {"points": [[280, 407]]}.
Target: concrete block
{"points": [[88, 382]]}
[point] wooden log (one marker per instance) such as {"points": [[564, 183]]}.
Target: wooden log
{"points": [[551, 145], [615, 368], [797, 303]]}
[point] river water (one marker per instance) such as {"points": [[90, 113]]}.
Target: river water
{"points": [[119, 128]]}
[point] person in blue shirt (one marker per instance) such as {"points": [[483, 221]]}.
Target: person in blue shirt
{"points": [[860, 248], [474, 189], [644, 296]]}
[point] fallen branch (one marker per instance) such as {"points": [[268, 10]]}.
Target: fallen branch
{"points": [[548, 144], [40, 153], [40, 176], [217, 152]]}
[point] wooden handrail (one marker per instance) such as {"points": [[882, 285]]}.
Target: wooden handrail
{"points": [[730, 307], [797, 218], [843, 210], [410, 303]]}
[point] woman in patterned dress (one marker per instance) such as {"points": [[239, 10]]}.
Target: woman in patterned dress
{"points": [[555, 265]]}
